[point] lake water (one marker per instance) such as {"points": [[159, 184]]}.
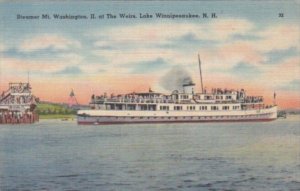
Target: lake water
{"points": [[58, 155]]}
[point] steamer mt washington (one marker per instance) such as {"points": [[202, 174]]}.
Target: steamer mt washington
{"points": [[183, 106]]}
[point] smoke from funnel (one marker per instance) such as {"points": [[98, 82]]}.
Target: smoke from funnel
{"points": [[175, 78]]}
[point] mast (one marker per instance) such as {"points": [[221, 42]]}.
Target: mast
{"points": [[200, 73]]}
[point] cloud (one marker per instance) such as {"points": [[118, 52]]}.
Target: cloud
{"points": [[161, 33], [278, 37], [245, 69], [104, 45], [224, 29], [276, 56], [177, 44], [226, 56], [251, 37], [293, 85], [48, 41], [70, 70], [126, 59], [282, 73], [46, 65], [235, 49], [149, 66], [189, 41]]}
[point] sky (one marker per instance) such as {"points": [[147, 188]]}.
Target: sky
{"points": [[249, 45]]}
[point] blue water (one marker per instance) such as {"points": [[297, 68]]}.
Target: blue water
{"points": [[57, 155]]}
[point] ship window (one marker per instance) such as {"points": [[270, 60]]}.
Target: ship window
{"points": [[165, 108], [235, 107], [225, 107], [177, 107], [144, 107], [203, 108], [214, 108], [184, 96]]}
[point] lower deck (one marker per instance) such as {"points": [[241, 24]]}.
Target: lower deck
{"points": [[95, 120]]}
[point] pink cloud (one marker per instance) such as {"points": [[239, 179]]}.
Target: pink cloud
{"points": [[47, 41], [47, 65]]}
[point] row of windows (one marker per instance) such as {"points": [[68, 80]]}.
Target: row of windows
{"points": [[214, 108], [190, 108], [201, 108], [236, 107], [184, 97], [165, 108], [221, 97], [191, 117], [225, 108], [176, 108]]}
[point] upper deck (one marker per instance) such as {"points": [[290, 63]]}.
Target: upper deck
{"points": [[216, 96], [17, 97]]}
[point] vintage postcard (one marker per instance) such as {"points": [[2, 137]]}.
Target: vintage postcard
{"points": [[149, 95]]}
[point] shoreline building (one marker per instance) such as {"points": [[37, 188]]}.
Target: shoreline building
{"points": [[17, 104]]}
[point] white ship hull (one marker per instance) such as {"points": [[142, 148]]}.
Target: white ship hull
{"points": [[127, 116]]}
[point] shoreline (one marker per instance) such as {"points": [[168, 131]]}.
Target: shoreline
{"points": [[57, 116]]}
